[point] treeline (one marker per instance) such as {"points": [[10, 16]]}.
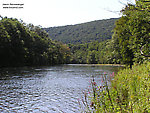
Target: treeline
{"points": [[28, 45], [99, 30], [91, 53], [131, 35], [22, 44], [129, 89]]}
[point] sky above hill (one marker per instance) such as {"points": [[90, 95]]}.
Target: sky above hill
{"points": [[49, 13]]}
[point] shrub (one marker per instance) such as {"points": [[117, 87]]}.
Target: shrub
{"points": [[129, 92]]}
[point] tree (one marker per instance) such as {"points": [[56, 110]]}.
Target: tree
{"points": [[132, 31], [29, 45]]}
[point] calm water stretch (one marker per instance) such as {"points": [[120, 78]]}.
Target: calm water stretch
{"points": [[53, 89]]}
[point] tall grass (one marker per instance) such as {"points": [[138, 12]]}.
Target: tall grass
{"points": [[129, 92]]}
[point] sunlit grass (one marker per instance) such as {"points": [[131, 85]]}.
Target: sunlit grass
{"points": [[129, 92]]}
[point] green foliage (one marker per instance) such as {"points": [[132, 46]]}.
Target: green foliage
{"points": [[22, 44], [83, 33], [91, 53], [132, 32], [129, 92]]}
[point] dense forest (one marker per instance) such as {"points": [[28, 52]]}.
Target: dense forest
{"points": [[130, 40], [91, 53], [129, 90], [28, 45], [99, 30], [93, 43], [132, 33]]}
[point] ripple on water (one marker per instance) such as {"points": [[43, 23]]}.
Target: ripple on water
{"points": [[47, 89]]}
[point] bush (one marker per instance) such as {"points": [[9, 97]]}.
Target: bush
{"points": [[129, 92]]}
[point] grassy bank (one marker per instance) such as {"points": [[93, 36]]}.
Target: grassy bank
{"points": [[129, 92]]}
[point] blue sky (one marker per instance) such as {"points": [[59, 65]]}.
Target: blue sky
{"points": [[49, 13]]}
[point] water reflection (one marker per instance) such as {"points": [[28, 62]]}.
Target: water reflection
{"points": [[46, 89]]}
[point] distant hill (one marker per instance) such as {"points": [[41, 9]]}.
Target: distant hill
{"points": [[99, 30]]}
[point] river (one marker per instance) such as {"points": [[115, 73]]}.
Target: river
{"points": [[53, 89]]}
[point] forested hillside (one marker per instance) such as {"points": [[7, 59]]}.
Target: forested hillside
{"points": [[99, 30], [92, 42], [28, 45], [91, 53], [129, 91], [130, 41]]}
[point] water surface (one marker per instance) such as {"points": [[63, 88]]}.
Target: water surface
{"points": [[47, 89]]}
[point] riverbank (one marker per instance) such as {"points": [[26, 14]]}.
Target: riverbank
{"points": [[120, 65], [129, 91]]}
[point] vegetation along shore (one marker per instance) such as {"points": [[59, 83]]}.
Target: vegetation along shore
{"points": [[129, 91], [93, 43]]}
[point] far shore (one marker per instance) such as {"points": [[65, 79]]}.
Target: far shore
{"points": [[99, 65]]}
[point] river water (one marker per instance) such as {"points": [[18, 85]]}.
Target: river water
{"points": [[54, 89]]}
